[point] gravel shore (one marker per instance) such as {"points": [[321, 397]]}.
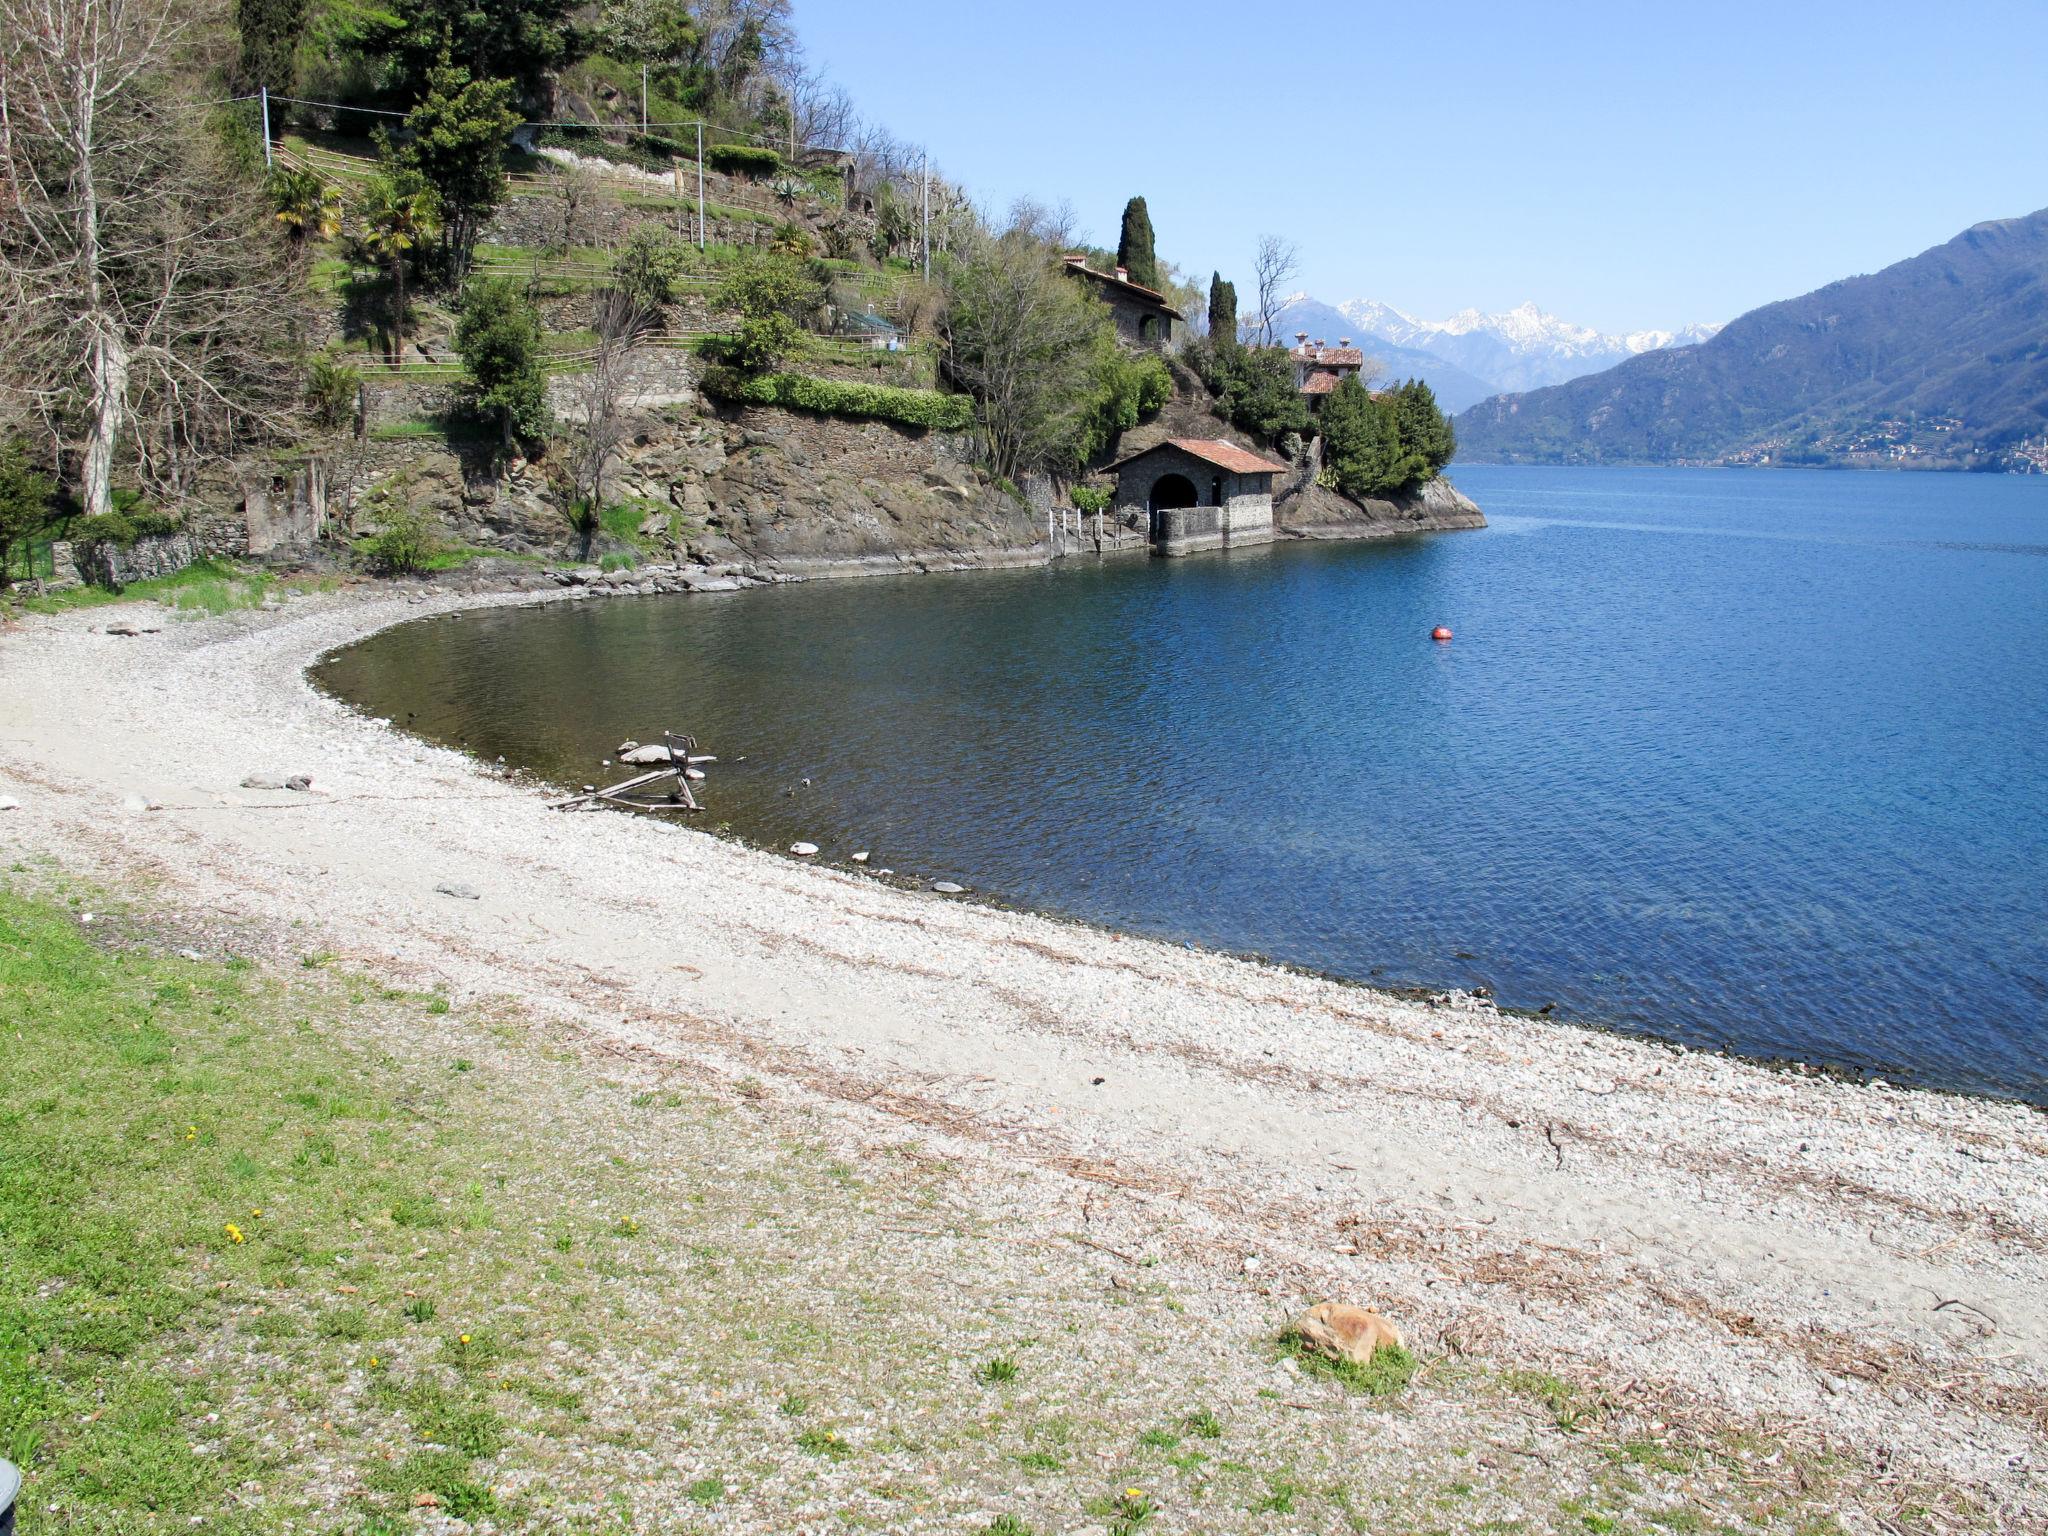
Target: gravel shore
{"points": [[1704, 1241]]}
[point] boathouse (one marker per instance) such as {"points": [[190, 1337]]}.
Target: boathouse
{"points": [[1143, 317], [1194, 493]]}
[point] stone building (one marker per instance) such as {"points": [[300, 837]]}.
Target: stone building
{"points": [[1192, 493], [1319, 369], [1143, 318]]}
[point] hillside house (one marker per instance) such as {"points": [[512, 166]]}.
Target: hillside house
{"points": [[1143, 318], [1194, 493], [1318, 369]]}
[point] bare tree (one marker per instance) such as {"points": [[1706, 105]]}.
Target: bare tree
{"points": [[820, 114], [576, 189], [142, 288], [622, 322], [1278, 262], [1021, 337]]}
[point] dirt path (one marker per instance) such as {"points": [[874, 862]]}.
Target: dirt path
{"points": [[1867, 1265]]}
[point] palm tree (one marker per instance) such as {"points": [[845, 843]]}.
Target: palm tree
{"points": [[306, 206], [400, 213]]}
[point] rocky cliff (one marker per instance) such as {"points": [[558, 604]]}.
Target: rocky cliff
{"points": [[810, 495], [1316, 512]]}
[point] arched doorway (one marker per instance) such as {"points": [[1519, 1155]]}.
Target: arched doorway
{"points": [[1168, 493]]}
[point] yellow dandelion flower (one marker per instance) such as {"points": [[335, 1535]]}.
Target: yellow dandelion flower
{"points": [[254, 1211], [1134, 1493], [465, 1338], [234, 1233], [373, 1362]]}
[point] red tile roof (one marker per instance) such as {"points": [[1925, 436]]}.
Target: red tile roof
{"points": [[1079, 264], [1334, 357], [1321, 382], [1212, 450]]}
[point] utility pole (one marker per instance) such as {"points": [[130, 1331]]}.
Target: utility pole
{"points": [[643, 101], [924, 179], [700, 183], [268, 163]]}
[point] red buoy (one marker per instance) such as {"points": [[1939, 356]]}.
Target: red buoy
{"points": [[1440, 633]]}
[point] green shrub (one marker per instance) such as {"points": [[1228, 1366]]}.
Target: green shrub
{"points": [[649, 264], [834, 397], [331, 392], [743, 160], [1091, 498], [407, 545]]}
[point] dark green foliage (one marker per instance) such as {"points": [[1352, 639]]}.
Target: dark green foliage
{"points": [[1134, 250], [1255, 386], [1384, 444], [1424, 430], [743, 160], [1091, 498], [25, 493], [459, 132], [515, 40], [1362, 451], [270, 32], [773, 293], [1957, 334], [836, 397], [504, 355], [1222, 311]]}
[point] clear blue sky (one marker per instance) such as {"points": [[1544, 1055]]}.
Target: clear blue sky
{"points": [[1624, 165]]}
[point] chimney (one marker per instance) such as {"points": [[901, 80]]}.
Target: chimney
{"points": [[1343, 341], [1301, 338], [1123, 274]]}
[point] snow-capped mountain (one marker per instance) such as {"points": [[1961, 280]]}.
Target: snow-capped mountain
{"points": [[1389, 361], [1524, 348]]}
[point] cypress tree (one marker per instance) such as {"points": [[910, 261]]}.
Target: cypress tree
{"points": [[1425, 432], [1222, 311], [1134, 250], [1361, 440]]}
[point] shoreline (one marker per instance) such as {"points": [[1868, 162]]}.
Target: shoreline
{"points": [[1419, 991], [1742, 1239]]}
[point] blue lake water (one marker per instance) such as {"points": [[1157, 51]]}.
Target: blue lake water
{"points": [[1742, 759]]}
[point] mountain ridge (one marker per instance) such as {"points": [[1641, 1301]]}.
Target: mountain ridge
{"points": [[1938, 360]]}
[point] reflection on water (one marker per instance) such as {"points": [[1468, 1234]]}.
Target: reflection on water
{"points": [[1777, 792]]}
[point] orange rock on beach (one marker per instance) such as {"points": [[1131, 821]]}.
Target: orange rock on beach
{"points": [[1346, 1332]]}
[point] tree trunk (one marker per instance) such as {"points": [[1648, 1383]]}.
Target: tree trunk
{"points": [[398, 312], [109, 401]]}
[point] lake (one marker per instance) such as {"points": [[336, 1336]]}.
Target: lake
{"points": [[1751, 760]]}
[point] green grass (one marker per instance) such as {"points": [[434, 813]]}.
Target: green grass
{"points": [[1389, 1370], [271, 1260], [171, 1181], [206, 587], [996, 1372]]}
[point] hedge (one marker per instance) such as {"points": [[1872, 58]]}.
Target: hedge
{"points": [[835, 397], [743, 160], [123, 527]]}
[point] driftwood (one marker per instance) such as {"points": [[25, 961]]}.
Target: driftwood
{"points": [[679, 797]]}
